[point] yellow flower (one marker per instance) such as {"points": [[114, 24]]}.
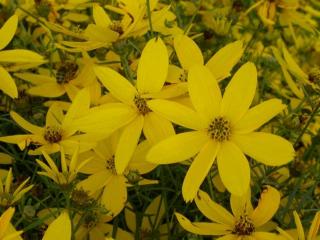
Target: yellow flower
{"points": [[60, 227], [9, 196], [7, 84], [224, 128], [299, 233], [150, 225], [291, 68], [103, 176], [69, 171], [58, 131], [244, 223], [7, 231], [134, 22], [69, 77], [133, 112]]}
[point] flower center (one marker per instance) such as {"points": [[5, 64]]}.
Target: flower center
{"points": [[244, 226], [91, 220], [141, 104], [110, 165], [53, 134], [80, 198], [183, 76], [117, 27], [66, 72], [314, 75], [219, 129]]}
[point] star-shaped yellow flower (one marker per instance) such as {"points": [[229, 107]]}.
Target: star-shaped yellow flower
{"points": [[223, 130], [245, 223]]}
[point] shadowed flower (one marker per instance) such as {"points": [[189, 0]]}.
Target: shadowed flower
{"points": [[244, 222]]}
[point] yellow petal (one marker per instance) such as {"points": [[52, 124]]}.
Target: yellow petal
{"points": [[315, 226], [20, 56], [95, 181], [177, 113], [5, 220], [204, 91], [8, 30], [258, 115], [116, 84], [7, 84], [291, 84], [233, 169], [187, 51], [241, 204], [221, 63], [98, 36], [60, 227], [265, 236], [199, 170], [105, 120], [127, 143], [177, 148], [130, 217], [212, 210], [47, 90], [239, 93], [210, 229], [157, 128], [100, 17], [292, 65], [153, 67], [114, 196], [5, 158], [299, 226], [267, 148], [153, 214], [25, 124], [267, 206], [80, 106]]}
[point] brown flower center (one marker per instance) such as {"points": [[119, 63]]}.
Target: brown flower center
{"points": [[66, 72], [219, 129], [244, 226], [183, 76], [141, 104], [117, 27], [53, 134], [110, 165]]}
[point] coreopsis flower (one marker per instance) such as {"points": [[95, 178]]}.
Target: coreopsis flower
{"points": [[15, 56], [60, 227], [68, 171], [69, 77], [134, 22], [299, 233], [5, 159], [243, 223], [7, 231], [189, 54], [58, 130], [8, 195], [223, 129], [104, 177], [133, 112], [290, 69], [150, 225]]}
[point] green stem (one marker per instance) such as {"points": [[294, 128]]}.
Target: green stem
{"points": [[307, 124]]}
